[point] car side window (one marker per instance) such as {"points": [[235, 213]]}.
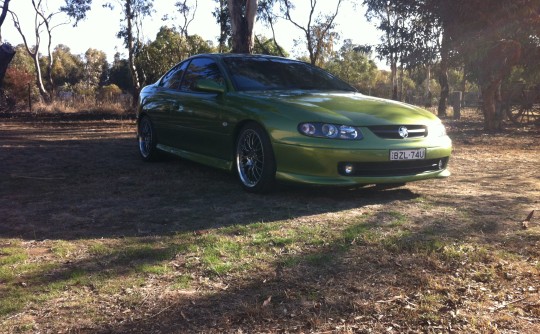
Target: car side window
{"points": [[173, 78], [201, 68]]}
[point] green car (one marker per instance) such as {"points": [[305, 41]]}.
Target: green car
{"points": [[274, 119]]}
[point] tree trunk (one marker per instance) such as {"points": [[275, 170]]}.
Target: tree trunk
{"points": [[393, 74], [400, 83], [428, 95], [50, 64], [131, 54], [222, 26], [5, 10], [443, 77], [39, 79], [490, 106], [496, 65], [242, 25], [6, 55]]}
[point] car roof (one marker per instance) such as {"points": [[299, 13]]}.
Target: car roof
{"points": [[244, 55]]}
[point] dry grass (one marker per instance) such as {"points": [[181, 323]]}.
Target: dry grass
{"points": [[74, 106], [94, 240]]}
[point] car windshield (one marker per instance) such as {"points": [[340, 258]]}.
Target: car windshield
{"points": [[261, 73]]}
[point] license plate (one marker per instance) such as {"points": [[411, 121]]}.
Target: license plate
{"points": [[418, 154]]}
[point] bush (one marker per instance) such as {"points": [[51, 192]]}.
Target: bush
{"points": [[17, 84]]}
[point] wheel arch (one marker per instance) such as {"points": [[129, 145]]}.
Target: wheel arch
{"points": [[239, 126]]}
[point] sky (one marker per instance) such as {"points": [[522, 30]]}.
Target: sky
{"points": [[99, 29]]}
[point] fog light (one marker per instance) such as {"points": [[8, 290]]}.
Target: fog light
{"points": [[348, 169], [441, 164]]}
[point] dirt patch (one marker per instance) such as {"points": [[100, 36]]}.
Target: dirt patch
{"points": [[71, 182]]}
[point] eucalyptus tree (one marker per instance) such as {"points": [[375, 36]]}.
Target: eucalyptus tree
{"points": [[354, 65], [490, 35], [68, 67], [47, 21], [95, 68], [6, 52], [268, 46], [133, 13], [318, 30], [221, 13], [188, 14], [4, 12], [244, 13], [119, 73], [391, 17], [269, 16], [169, 48]]}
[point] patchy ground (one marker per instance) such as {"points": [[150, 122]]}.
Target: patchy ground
{"points": [[94, 240]]}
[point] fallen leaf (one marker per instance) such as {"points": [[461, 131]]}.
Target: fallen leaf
{"points": [[267, 301], [525, 223]]}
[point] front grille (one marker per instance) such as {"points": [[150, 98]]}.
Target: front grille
{"points": [[393, 168], [392, 131]]}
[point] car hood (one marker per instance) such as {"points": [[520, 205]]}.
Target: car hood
{"points": [[349, 108]]}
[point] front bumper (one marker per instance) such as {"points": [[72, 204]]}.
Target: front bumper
{"points": [[324, 166]]}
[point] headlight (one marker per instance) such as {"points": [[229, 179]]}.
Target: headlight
{"points": [[437, 130], [327, 130]]}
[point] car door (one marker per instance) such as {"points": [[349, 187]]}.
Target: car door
{"points": [[166, 101], [197, 118]]}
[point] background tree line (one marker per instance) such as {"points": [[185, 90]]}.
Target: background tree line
{"points": [[432, 47]]}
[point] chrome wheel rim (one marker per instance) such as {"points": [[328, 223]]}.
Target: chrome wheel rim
{"points": [[250, 158], [145, 138]]}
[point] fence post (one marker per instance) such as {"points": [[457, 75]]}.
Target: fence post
{"points": [[29, 98]]}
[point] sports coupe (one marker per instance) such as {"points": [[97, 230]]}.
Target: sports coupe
{"points": [[273, 119]]}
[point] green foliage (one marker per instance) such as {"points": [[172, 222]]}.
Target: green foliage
{"points": [[354, 66], [319, 31], [76, 9], [96, 67], [119, 73], [67, 68], [268, 46], [18, 83], [168, 49], [22, 60], [109, 92]]}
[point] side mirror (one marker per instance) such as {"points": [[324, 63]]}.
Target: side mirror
{"points": [[209, 86]]}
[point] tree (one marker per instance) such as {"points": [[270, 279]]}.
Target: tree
{"points": [[19, 75], [353, 65], [188, 15], [133, 13], [169, 48], [43, 20], [264, 12], [5, 10], [6, 52], [95, 68], [390, 16], [242, 13], [68, 68], [221, 13], [318, 31], [489, 35], [268, 46], [76, 9], [120, 74], [267, 15]]}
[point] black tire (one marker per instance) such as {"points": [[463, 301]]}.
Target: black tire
{"points": [[146, 136], [255, 162]]}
